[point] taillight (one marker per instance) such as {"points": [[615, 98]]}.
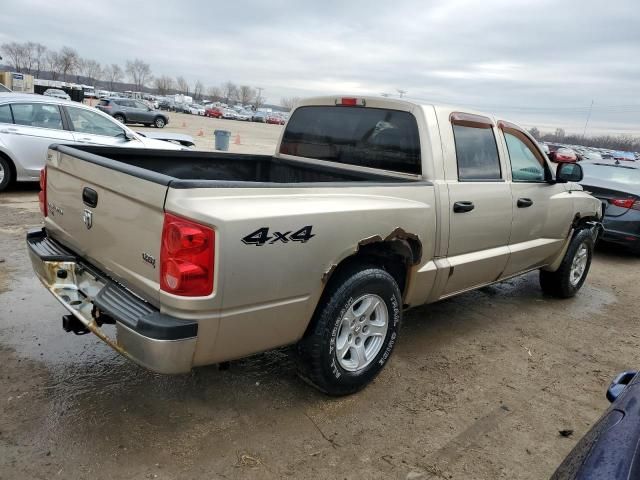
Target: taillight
{"points": [[625, 203], [186, 257], [42, 195]]}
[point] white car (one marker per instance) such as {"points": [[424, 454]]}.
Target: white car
{"points": [[30, 123], [56, 93], [196, 110], [244, 115]]}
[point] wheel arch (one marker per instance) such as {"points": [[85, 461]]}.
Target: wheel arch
{"points": [[12, 164]]}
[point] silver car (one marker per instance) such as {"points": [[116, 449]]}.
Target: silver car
{"points": [[30, 123], [56, 93]]}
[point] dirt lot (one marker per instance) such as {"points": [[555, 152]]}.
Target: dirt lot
{"points": [[478, 386]]}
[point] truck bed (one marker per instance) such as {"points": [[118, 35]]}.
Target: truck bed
{"points": [[192, 169]]}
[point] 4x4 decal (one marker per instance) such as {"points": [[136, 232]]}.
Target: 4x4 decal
{"points": [[261, 236]]}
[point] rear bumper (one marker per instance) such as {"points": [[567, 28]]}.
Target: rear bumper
{"points": [[159, 342]]}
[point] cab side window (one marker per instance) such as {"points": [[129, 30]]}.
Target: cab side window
{"points": [[5, 114], [527, 163], [476, 148]]}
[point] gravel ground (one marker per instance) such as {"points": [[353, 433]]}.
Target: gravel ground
{"points": [[478, 386]]}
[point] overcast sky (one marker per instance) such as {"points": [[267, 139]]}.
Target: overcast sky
{"points": [[537, 62]]}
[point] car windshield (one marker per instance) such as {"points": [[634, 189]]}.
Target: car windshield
{"points": [[611, 173]]}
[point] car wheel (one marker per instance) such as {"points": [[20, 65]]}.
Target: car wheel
{"points": [[6, 173], [159, 122], [354, 330], [569, 278], [119, 118]]}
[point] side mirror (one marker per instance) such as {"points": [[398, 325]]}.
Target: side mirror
{"points": [[569, 172], [619, 384]]}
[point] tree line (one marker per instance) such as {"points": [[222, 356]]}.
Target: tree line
{"points": [[67, 65], [627, 143]]}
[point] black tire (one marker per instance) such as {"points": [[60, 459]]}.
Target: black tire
{"points": [[6, 172], [318, 363], [559, 283], [120, 118], [159, 122]]}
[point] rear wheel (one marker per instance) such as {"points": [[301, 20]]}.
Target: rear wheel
{"points": [[354, 331], [120, 118], [569, 278], [6, 173], [159, 122]]}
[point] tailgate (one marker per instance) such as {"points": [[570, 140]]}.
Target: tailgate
{"points": [[118, 231]]}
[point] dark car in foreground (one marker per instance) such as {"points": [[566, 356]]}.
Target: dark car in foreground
{"points": [[610, 450], [617, 185], [128, 110]]}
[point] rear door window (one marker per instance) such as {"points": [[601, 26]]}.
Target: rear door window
{"points": [[476, 152], [367, 137], [37, 115], [5, 114]]}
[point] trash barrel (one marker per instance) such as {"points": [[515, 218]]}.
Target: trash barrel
{"points": [[222, 139]]}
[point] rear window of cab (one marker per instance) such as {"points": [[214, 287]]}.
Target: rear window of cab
{"points": [[361, 136]]}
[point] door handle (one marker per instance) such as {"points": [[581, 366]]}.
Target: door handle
{"points": [[463, 206], [524, 202]]}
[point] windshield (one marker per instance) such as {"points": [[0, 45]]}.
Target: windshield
{"points": [[611, 173], [368, 137]]}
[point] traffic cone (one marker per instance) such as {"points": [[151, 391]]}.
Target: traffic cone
{"points": [[200, 133], [237, 140]]}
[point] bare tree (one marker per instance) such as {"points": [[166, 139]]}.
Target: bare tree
{"points": [[90, 69], [214, 94], [69, 60], [246, 94], [289, 102], [229, 92], [197, 90], [40, 59], [164, 84], [259, 100], [139, 72], [535, 133], [560, 133], [53, 63], [113, 74], [15, 54], [182, 85]]}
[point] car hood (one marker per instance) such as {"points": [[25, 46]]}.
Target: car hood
{"points": [[153, 139]]}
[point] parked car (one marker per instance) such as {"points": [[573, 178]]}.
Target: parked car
{"points": [[610, 449], [195, 109], [229, 114], [624, 156], [56, 93], [30, 123], [617, 185], [244, 115], [275, 119], [563, 155], [322, 244], [165, 105], [214, 112], [127, 110], [260, 117]]}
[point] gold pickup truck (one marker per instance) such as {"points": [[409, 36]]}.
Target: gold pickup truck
{"points": [[370, 206]]}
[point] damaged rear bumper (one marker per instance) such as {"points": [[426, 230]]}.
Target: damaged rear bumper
{"points": [[150, 338]]}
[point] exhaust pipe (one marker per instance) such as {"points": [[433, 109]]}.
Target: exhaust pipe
{"points": [[71, 324]]}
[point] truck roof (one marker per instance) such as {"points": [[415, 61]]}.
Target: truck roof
{"points": [[394, 103]]}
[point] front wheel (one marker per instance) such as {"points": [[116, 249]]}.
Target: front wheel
{"points": [[354, 331], [159, 122], [119, 118], [570, 276]]}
